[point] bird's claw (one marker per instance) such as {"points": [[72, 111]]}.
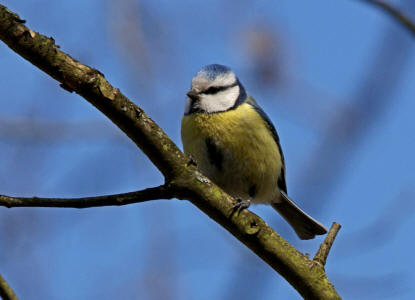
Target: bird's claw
{"points": [[192, 161], [241, 205]]}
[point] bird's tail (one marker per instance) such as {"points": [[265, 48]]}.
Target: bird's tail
{"points": [[304, 225]]}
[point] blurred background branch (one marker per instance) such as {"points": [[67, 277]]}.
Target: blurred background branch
{"points": [[395, 13], [30, 130]]}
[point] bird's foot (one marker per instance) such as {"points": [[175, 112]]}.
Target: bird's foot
{"points": [[241, 205], [191, 161]]}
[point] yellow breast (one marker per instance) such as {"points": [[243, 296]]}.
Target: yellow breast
{"points": [[250, 153]]}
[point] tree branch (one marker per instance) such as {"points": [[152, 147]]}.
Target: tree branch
{"points": [[160, 192], [393, 12], [323, 251], [6, 292], [306, 276]]}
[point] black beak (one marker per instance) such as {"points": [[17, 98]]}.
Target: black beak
{"points": [[193, 95]]}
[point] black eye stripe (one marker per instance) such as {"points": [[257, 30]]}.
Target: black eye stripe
{"points": [[215, 89]]}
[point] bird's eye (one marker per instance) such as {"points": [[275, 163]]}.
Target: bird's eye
{"points": [[213, 90]]}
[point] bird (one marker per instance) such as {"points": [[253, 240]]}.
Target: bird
{"points": [[235, 144]]}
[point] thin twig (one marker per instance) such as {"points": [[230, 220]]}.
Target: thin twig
{"points": [[155, 193], [323, 251], [395, 13], [6, 292]]}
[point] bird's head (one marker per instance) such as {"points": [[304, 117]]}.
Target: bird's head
{"points": [[215, 88]]}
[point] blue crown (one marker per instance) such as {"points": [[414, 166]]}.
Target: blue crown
{"points": [[213, 70]]}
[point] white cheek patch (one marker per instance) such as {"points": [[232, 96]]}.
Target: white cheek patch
{"points": [[221, 101]]}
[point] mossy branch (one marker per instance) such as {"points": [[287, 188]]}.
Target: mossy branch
{"points": [[6, 292], [183, 180]]}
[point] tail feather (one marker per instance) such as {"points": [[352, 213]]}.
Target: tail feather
{"points": [[304, 225]]}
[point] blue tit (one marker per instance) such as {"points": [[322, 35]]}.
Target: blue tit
{"points": [[235, 144]]}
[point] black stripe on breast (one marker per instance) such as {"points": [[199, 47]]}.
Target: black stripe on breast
{"points": [[252, 191], [214, 154]]}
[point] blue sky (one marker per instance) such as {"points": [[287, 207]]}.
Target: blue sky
{"points": [[336, 78]]}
